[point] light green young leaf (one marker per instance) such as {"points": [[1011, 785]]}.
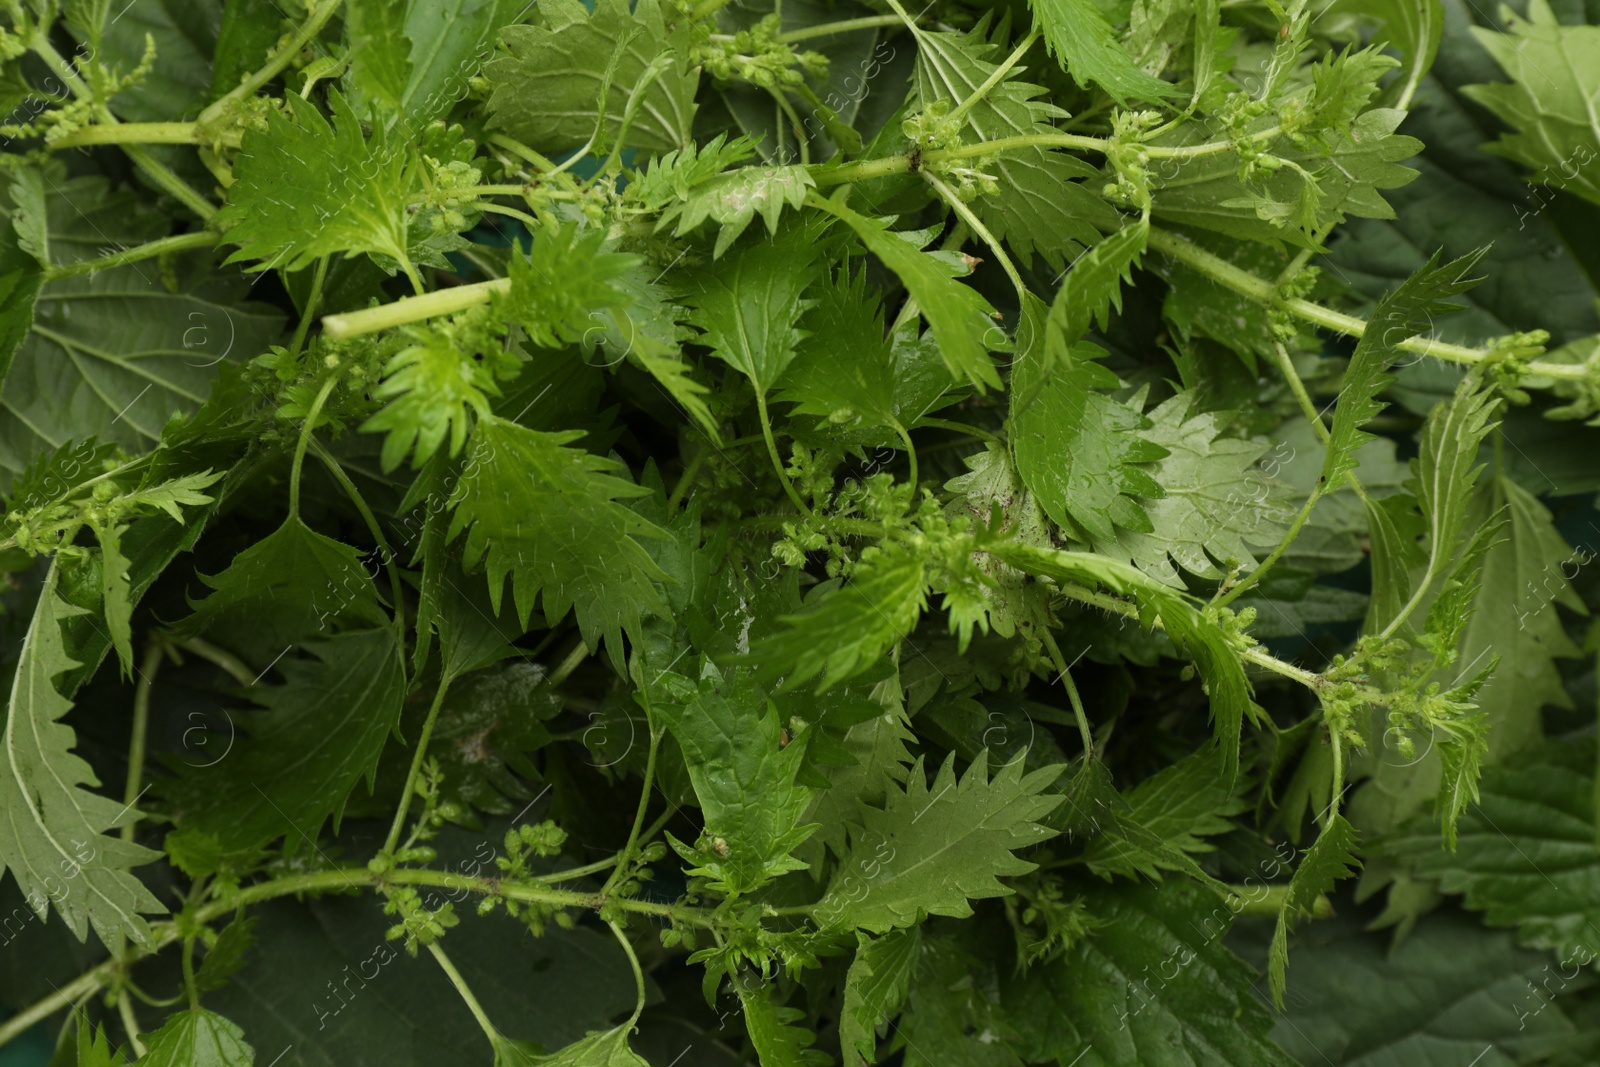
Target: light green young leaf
{"points": [[933, 849], [1216, 501], [305, 188], [676, 177], [1550, 100], [959, 317], [851, 627], [749, 304], [1094, 285], [733, 199], [875, 989], [1406, 311], [601, 1048], [577, 551], [380, 54], [1043, 205], [1078, 35], [546, 87], [323, 731], [52, 838], [1219, 663], [777, 1040], [1015, 601], [744, 778], [561, 289], [1331, 858], [447, 39], [197, 1038]]}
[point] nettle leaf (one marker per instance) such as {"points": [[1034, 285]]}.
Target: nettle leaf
{"points": [[305, 188], [1077, 448], [197, 1038], [933, 849], [545, 89], [744, 777], [323, 730], [1153, 987], [21, 276], [1179, 807], [1406, 311], [676, 176], [564, 284], [875, 988], [416, 56], [1526, 853], [1331, 858], [953, 1017], [1078, 35], [778, 1041], [1015, 602], [733, 199], [1415, 27], [53, 838], [114, 354], [1042, 206], [749, 304], [291, 583], [960, 318], [850, 628], [603, 1048], [1219, 665], [844, 368], [576, 551], [1549, 101], [1216, 502]]}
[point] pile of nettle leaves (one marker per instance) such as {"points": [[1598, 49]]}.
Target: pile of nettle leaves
{"points": [[799, 532]]}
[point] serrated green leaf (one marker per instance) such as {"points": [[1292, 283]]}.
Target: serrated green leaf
{"points": [[323, 731], [1216, 501], [53, 838], [850, 628], [197, 1038], [602, 1048], [749, 304], [1179, 806], [1331, 857], [958, 316], [744, 777], [561, 289], [1077, 448], [1153, 987], [844, 368], [305, 188], [577, 551], [875, 988], [380, 54], [291, 583], [1015, 602], [1525, 854], [1042, 205], [933, 849], [1403, 313], [777, 1040], [732, 200], [1078, 35], [1549, 101], [1415, 27], [225, 957], [546, 86]]}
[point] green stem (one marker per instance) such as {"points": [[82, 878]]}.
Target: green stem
{"points": [[189, 985], [462, 988], [961, 427], [977, 227], [1078, 712], [1338, 774], [1247, 284], [707, 7], [182, 242], [1224, 599], [828, 29], [237, 669], [412, 309], [148, 669], [417, 758], [691, 471], [911, 449], [317, 278], [307, 428], [626, 855], [130, 1022], [638, 972], [772, 451], [275, 64], [125, 133]]}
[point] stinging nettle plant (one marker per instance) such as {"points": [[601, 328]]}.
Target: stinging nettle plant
{"points": [[795, 532]]}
